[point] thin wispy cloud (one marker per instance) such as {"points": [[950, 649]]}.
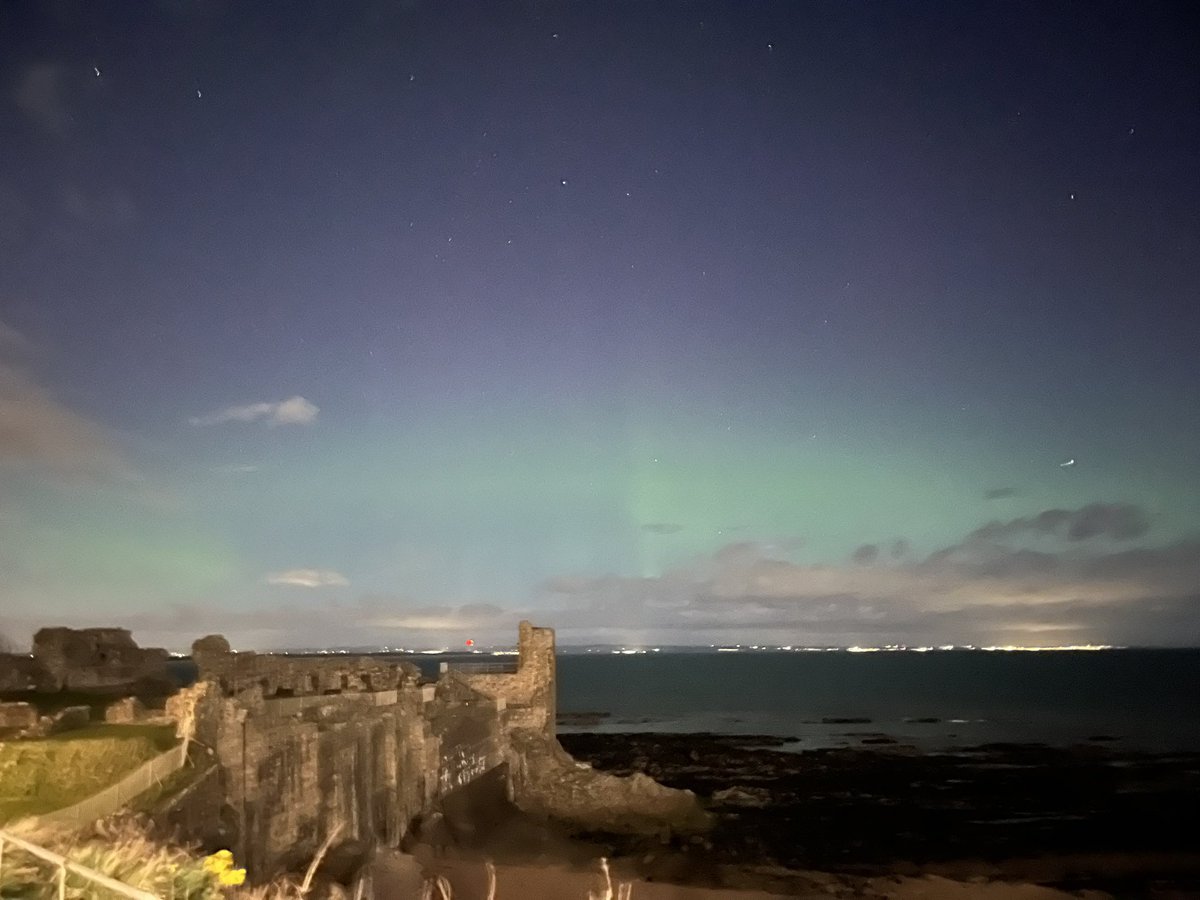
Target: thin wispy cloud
{"points": [[39, 93], [1000, 493], [662, 527], [40, 433], [293, 411], [308, 578], [865, 554]]}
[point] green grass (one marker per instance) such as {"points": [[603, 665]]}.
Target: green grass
{"points": [[157, 798], [39, 776]]}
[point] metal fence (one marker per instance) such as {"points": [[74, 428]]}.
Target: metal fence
{"points": [[150, 774], [64, 865]]}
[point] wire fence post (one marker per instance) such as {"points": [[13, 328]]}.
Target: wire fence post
{"points": [[62, 882]]}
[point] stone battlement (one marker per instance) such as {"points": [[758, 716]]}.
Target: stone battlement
{"points": [[296, 676], [528, 694]]}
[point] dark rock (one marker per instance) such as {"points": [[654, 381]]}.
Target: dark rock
{"points": [[582, 719], [742, 796], [863, 808]]}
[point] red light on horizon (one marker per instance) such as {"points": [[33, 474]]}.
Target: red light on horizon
{"points": [[470, 643]]}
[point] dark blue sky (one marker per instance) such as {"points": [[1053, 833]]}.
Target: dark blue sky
{"points": [[392, 322]]}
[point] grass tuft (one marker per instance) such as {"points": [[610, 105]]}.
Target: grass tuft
{"points": [[44, 774], [120, 848]]}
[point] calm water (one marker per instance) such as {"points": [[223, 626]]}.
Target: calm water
{"points": [[1146, 698]]}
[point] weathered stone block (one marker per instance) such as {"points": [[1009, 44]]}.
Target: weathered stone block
{"points": [[17, 715], [125, 710]]}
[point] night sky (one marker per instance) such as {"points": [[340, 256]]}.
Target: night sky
{"points": [[677, 322]]}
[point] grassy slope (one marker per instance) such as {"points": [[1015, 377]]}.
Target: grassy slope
{"points": [[38, 776]]}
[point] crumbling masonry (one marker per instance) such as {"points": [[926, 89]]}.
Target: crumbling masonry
{"points": [[87, 659], [359, 747]]}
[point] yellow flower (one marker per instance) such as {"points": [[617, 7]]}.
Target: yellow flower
{"points": [[232, 877], [219, 862]]}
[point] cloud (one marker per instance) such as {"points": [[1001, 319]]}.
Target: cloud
{"points": [[309, 578], [39, 433], [1118, 521], [1033, 587], [370, 621], [293, 411], [39, 94], [662, 528], [865, 554], [1000, 493], [1044, 579], [444, 619]]}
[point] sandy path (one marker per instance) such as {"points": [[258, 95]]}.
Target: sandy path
{"points": [[400, 877]]}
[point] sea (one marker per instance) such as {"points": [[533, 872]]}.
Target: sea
{"points": [[1133, 699], [1128, 699]]}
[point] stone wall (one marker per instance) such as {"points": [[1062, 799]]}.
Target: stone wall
{"points": [[295, 768], [529, 694], [295, 676], [305, 748]]}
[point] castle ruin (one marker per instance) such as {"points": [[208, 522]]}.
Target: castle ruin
{"points": [[87, 659], [302, 748]]}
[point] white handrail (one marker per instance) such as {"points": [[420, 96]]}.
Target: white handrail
{"points": [[65, 865]]}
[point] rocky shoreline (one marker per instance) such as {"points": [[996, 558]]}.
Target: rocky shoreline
{"points": [[1085, 817]]}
